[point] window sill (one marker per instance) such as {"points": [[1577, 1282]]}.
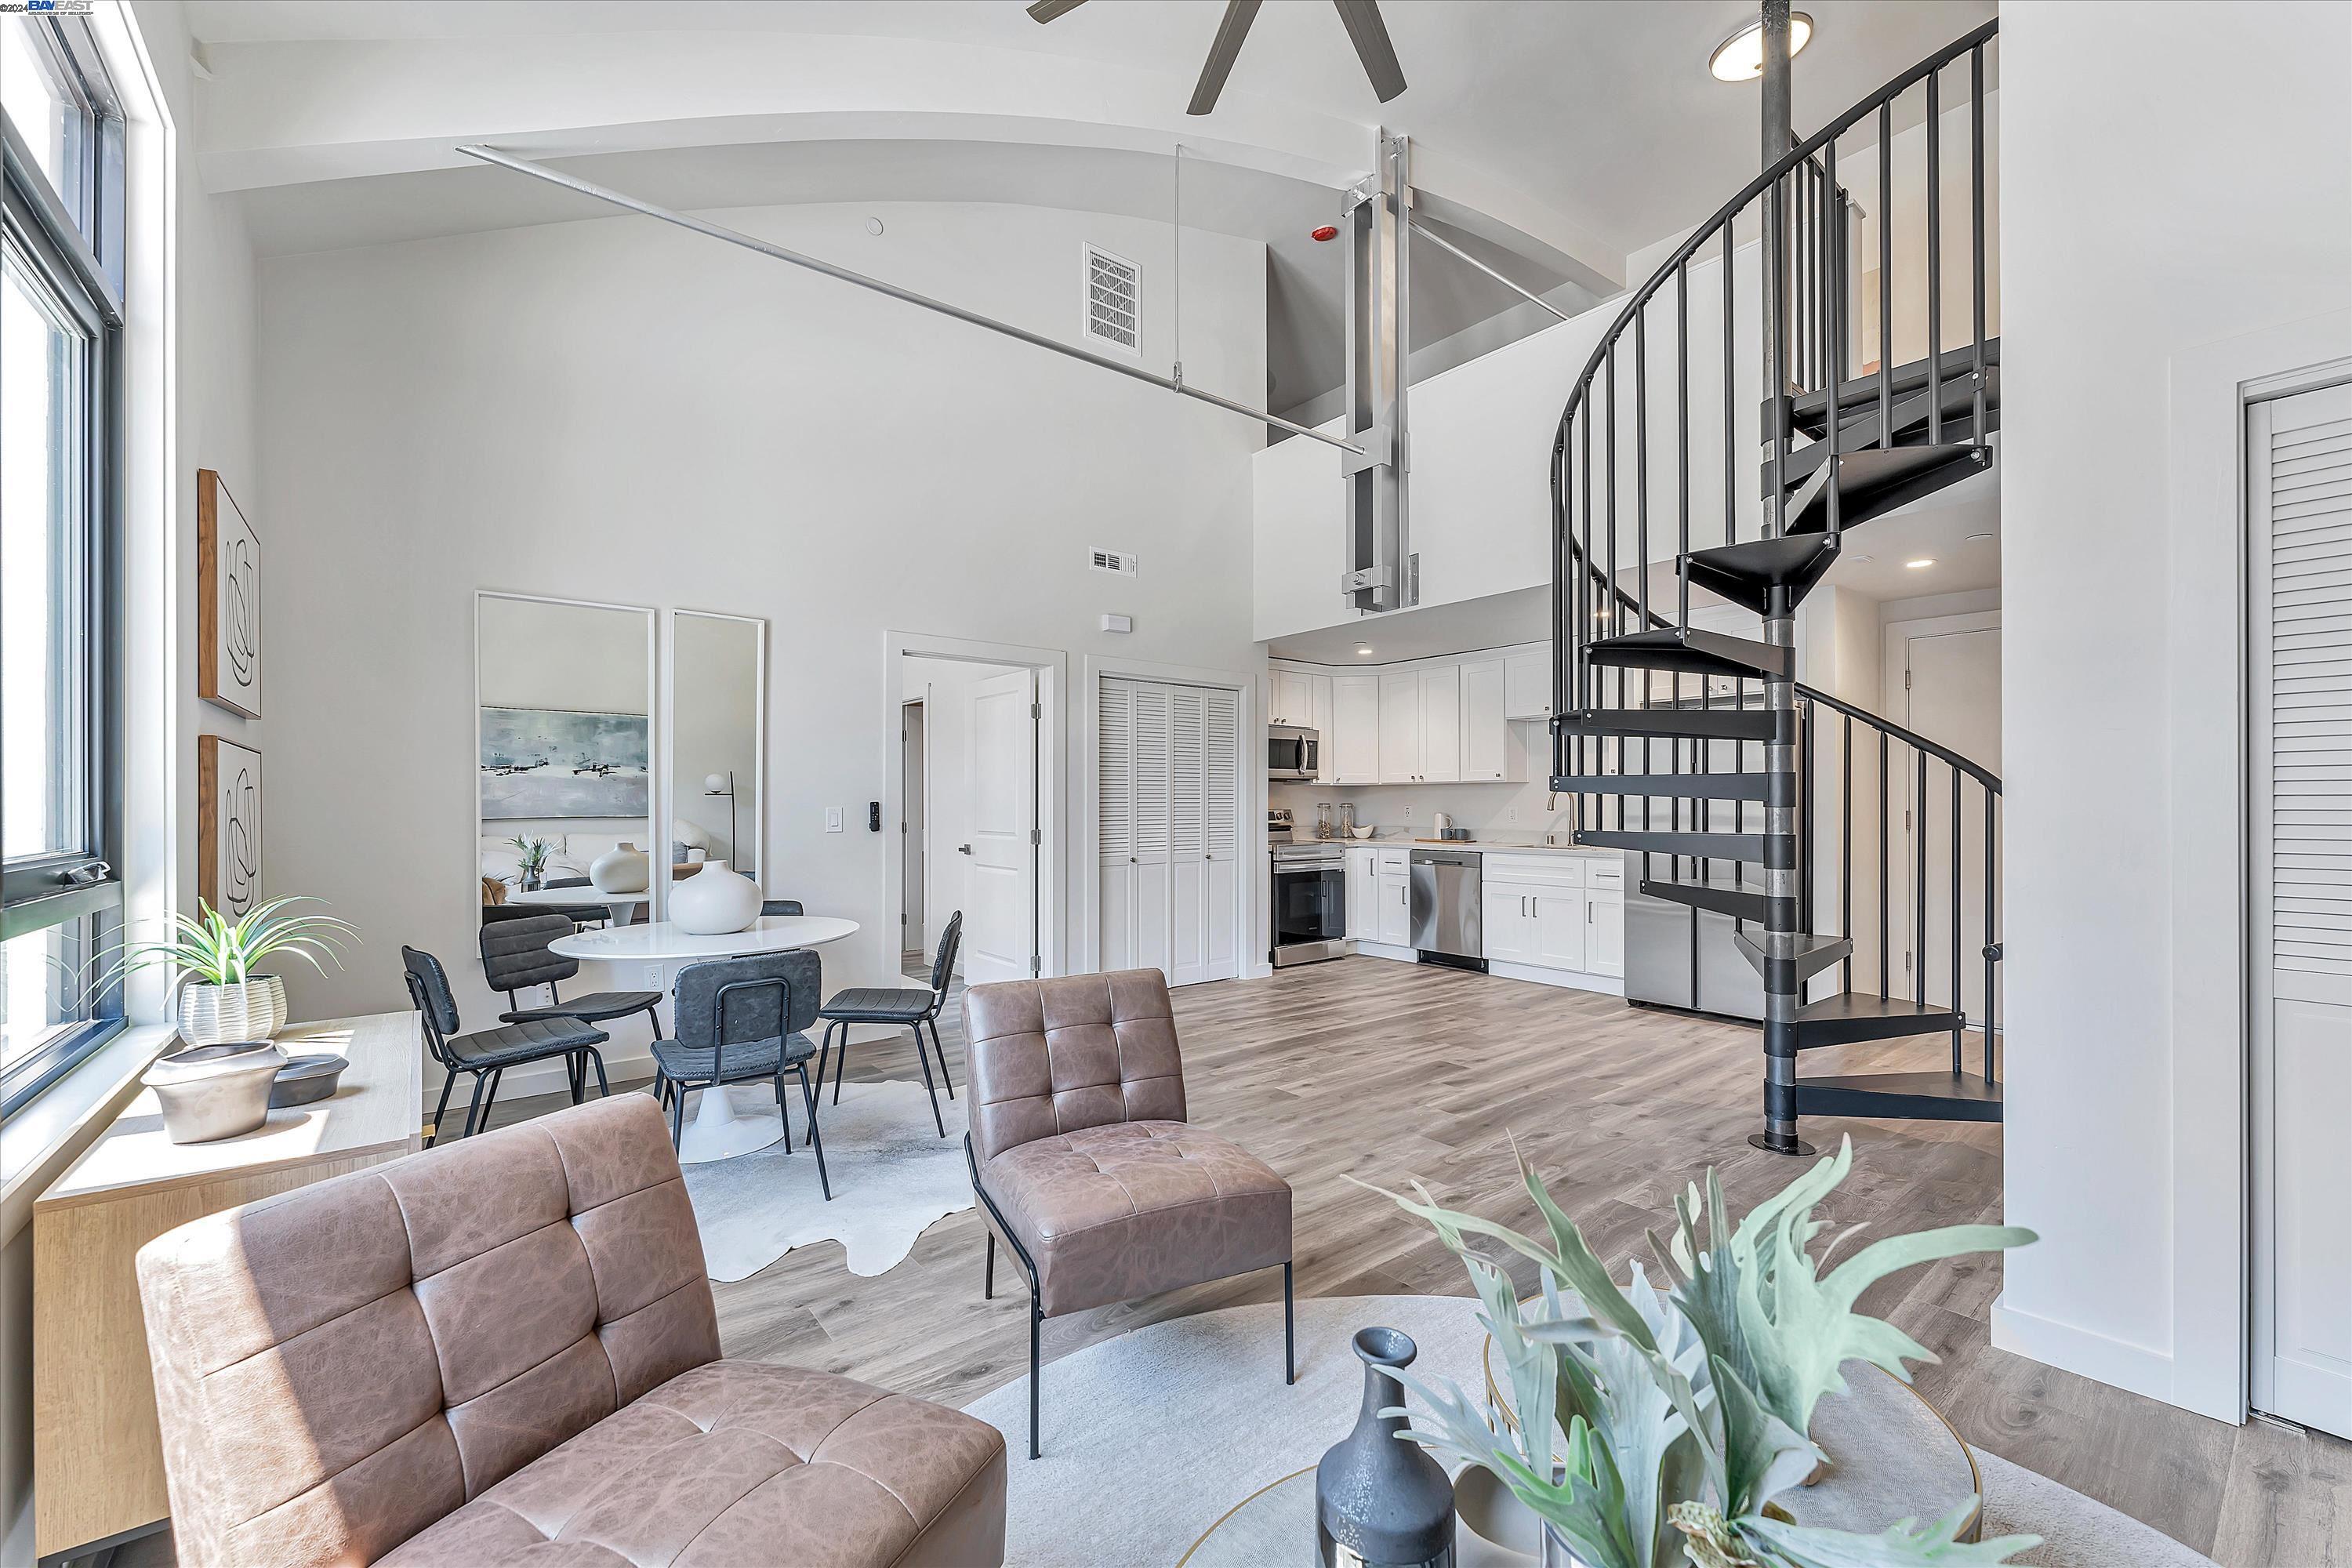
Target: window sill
{"points": [[47, 1134]]}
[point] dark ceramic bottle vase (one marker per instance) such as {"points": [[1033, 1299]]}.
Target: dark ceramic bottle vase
{"points": [[1380, 1501]]}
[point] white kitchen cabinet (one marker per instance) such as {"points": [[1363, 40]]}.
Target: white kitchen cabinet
{"points": [[1487, 742], [1506, 931], [1527, 684], [1353, 745], [1605, 931], [1394, 922], [1400, 727], [1293, 699], [1325, 723], [1440, 725], [1363, 896], [1559, 927]]}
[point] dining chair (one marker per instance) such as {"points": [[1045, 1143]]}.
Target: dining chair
{"points": [[487, 1053], [741, 1019], [781, 907], [517, 955], [909, 1008]]}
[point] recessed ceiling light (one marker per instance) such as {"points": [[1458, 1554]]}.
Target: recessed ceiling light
{"points": [[1978, 538], [1919, 566], [1363, 653], [1740, 58]]}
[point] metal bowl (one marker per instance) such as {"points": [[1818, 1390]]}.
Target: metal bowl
{"points": [[306, 1078], [214, 1091]]}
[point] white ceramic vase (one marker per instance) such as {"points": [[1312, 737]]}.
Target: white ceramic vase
{"points": [[714, 900], [624, 868], [254, 1009]]}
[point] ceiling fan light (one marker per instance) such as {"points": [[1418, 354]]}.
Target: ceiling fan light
{"points": [[1741, 56]]}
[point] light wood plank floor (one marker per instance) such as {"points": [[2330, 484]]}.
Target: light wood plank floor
{"points": [[1386, 1072]]}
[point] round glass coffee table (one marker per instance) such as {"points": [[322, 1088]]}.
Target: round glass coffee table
{"points": [[1893, 1456]]}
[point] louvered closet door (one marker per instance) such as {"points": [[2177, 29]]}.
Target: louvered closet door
{"points": [[2299, 477], [1115, 822], [1168, 818]]}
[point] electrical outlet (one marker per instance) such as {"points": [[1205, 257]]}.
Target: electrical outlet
{"points": [[833, 819], [652, 978]]}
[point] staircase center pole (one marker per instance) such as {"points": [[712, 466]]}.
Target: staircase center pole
{"points": [[1783, 848]]}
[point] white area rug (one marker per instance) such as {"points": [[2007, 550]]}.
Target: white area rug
{"points": [[893, 1176], [1149, 1439]]}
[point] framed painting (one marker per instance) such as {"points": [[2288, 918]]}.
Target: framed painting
{"points": [[228, 824], [555, 762], [229, 600]]}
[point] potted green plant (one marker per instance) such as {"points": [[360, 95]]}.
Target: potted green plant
{"points": [[1653, 1428], [533, 854], [220, 996]]}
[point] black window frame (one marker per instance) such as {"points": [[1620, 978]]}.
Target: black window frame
{"points": [[72, 241]]}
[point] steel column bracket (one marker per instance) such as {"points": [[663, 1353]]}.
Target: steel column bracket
{"points": [[1380, 572]]}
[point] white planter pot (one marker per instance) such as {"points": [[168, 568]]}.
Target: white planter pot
{"points": [[213, 1014], [623, 869], [714, 900]]}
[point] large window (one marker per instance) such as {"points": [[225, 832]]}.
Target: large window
{"points": [[60, 553]]}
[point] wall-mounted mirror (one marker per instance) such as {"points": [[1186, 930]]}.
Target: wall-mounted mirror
{"points": [[718, 704], [564, 693]]}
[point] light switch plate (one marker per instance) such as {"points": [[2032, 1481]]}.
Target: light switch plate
{"points": [[833, 819]]}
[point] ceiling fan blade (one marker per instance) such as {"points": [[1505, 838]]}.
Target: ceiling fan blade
{"points": [[1239, 15], [1046, 10], [1371, 36]]}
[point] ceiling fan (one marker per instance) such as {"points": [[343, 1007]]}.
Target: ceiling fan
{"points": [[1361, 17]]}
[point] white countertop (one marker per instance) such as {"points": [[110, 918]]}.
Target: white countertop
{"points": [[1475, 845]]}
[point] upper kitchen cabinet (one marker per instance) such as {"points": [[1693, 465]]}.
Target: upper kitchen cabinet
{"points": [[1293, 699], [1527, 684], [1353, 746], [1399, 722], [1485, 736]]}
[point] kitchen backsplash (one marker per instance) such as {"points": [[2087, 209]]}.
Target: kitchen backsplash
{"points": [[1506, 811]]}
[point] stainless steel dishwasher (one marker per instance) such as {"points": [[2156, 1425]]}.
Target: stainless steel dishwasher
{"points": [[1444, 904]]}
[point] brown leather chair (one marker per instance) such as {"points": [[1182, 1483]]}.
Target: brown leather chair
{"points": [[505, 1348], [1084, 1165]]}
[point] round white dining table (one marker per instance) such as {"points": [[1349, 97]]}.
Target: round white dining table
{"points": [[718, 1130], [625, 906]]}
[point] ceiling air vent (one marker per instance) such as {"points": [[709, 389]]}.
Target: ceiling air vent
{"points": [[1118, 562], [1114, 301]]}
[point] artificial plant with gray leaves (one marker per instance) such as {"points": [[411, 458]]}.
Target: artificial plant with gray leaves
{"points": [[1655, 1427]]}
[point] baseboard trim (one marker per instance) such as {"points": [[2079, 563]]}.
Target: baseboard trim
{"points": [[1565, 979]]}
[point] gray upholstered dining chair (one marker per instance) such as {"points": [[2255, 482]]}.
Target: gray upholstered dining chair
{"points": [[487, 1053], [909, 1008], [516, 956], [739, 1020]]}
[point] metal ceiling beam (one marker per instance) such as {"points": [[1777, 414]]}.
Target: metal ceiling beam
{"points": [[732, 236]]}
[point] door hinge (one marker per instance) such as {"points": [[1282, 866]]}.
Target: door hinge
{"points": [[1035, 711], [902, 917], [1036, 966], [1035, 838]]}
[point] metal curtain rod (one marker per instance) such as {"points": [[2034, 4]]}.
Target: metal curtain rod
{"points": [[1134, 373], [1442, 243]]}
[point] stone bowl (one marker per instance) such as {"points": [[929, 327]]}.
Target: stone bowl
{"points": [[216, 1091]]}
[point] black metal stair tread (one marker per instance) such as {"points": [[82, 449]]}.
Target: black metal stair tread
{"points": [[1935, 1095], [1739, 903], [1854, 1015], [1698, 845], [1745, 573], [1813, 953], [1875, 480], [1713, 723], [1909, 417], [1689, 651], [1679, 786], [1807, 411]]}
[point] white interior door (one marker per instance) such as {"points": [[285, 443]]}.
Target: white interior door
{"points": [[914, 823], [1168, 826], [1955, 698], [1115, 824], [1000, 927], [2299, 952]]}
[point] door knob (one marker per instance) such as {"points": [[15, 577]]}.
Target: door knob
{"points": [[963, 848]]}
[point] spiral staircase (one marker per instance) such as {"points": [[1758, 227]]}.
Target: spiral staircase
{"points": [[1694, 746]]}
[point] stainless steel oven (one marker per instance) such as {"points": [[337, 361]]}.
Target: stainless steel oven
{"points": [[1291, 752], [1311, 902]]}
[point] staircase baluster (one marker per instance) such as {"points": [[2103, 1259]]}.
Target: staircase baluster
{"points": [[1587, 612], [1884, 929], [1976, 220], [1935, 259], [1960, 1011], [1642, 477], [1731, 406], [1829, 319], [1919, 882], [1992, 932], [1682, 447], [1885, 274], [1845, 850]]}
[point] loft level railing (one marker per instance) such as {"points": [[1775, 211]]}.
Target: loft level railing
{"points": [[1696, 747]]}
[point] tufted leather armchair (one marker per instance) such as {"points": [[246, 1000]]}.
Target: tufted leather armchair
{"points": [[506, 1347], [1084, 1163]]}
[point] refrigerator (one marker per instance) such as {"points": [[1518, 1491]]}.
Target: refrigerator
{"points": [[1675, 956]]}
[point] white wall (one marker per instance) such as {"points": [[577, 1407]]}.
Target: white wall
{"points": [[2136, 239], [619, 410]]}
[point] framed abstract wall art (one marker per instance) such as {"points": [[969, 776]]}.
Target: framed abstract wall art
{"points": [[228, 601]]}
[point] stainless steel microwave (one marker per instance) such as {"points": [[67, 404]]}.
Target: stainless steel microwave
{"points": [[1291, 752]]}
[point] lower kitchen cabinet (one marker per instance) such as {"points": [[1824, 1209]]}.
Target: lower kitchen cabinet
{"points": [[1604, 942], [1393, 924], [1363, 896]]}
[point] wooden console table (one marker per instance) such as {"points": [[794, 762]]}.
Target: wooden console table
{"points": [[98, 1462]]}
